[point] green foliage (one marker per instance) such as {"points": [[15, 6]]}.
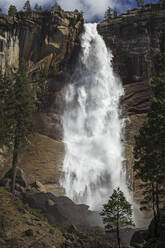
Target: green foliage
{"points": [[56, 7], [23, 107], [38, 8], [21, 206], [6, 111], [55, 69], [16, 109], [150, 144], [61, 229], [74, 21], [150, 148], [108, 14], [27, 6], [117, 212], [160, 59], [140, 3], [12, 11], [0, 10]]}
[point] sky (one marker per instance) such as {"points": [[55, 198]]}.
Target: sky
{"points": [[93, 9]]}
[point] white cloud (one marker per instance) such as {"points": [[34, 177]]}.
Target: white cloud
{"points": [[93, 8], [90, 8]]}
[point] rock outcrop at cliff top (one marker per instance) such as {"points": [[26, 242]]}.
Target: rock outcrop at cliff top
{"points": [[49, 36], [135, 39]]}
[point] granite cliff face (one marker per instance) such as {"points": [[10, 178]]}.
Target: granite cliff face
{"points": [[49, 43], [135, 40]]}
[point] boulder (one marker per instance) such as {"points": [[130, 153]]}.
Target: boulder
{"points": [[38, 187], [149, 238], [61, 210], [29, 232], [138, 238]]}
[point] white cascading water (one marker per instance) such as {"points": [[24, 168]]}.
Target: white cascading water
{"points": [[93, 127]]}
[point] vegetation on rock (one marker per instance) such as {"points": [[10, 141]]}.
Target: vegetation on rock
{"points": [[27, 6], [110, 13], [12, 11], [150, 144], [140, 3], [117, 213], [16, 108], [37, 7], [56, 6]]}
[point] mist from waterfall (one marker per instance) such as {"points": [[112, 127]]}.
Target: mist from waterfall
{"points": [[93, 127]]}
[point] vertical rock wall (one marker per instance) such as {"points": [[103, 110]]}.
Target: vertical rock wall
{"points": [[49, 43], [135, 40]]}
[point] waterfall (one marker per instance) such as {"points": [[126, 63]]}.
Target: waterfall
{"points": [[93, 127]]}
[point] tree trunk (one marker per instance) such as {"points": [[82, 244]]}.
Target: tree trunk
{"points": [[157, 210], [14, 166], [157, 201], [153, 200], [118, 235]]}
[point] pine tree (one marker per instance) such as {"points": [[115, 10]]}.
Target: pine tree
{"points": [[150, 149], [16, 108], [56, 7], [27, 6], [12, 11], [140, 3], [115, 14], [0, 10], [150, 143], [6, 111], [108, 14], [117, 213], [38, 8]]}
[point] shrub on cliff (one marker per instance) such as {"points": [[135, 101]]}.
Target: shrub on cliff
{"points": [[108, 14], [56, 7], [38, 8]]}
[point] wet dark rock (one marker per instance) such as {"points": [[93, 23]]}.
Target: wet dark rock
{"points": [[61, 210], [150, 238], [138, 238], [29, 232], [72, 229]]}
